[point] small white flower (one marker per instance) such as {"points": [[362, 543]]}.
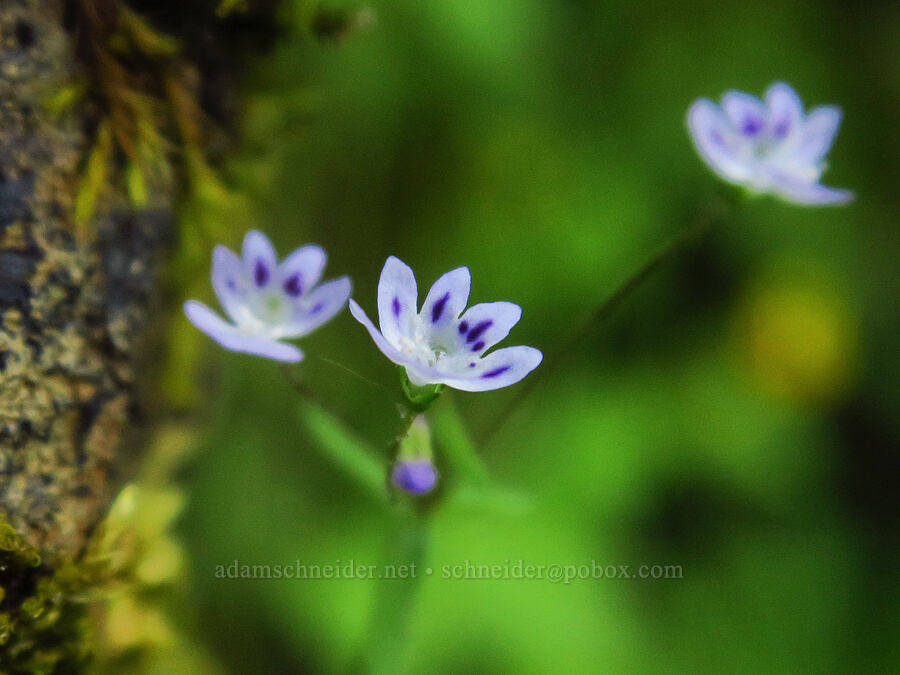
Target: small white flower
{"points": [[266, 301], [437, 345], [770, 146]]}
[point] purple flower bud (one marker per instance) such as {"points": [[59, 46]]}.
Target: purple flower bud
{"points": [[417, 476]]}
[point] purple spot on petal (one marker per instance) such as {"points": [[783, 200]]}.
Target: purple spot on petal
{"points": [[495, 372], [472, 365], [317, 308], [397, 307], [232, 286], [716, 137], [463, 327], [260, 273], [479, 328], [782, 128], [478, 346], [751, 126], [438, 308], [292, 285]]}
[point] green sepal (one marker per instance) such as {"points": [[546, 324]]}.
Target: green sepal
{"points": [[416, 444], [419, 399]]}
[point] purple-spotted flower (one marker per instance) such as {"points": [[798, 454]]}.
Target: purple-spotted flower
{"points": [[438, 346], [769, 146], [268, 301]]}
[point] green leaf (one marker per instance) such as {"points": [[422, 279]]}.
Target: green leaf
{"points": [[453, 438], [339, 445], [499, 499]]}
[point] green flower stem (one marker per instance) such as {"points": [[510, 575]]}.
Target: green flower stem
{"points": [[701, 226], [395, 599]]}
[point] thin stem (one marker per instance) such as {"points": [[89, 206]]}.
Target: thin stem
{"points": [[395, 598], [703, 224], [301, 388], [306, 392], [352, 372]]}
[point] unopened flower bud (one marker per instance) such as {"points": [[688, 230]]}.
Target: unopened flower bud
{"points": [[414, 471], [417, 477]]}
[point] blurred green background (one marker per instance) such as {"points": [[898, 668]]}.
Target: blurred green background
{"points": [[739, 415]]}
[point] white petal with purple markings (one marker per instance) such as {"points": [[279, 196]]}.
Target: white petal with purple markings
{"points": [[318, 306], [717, 141], [448, 296], [260, 260], [484, 325], [819, 130], [785, 110], [301, 270], [397, 300], [229, 283], [746, 113], [498, 369]]}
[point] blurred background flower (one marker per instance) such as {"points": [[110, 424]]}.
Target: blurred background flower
{"points": [[769, 146]]}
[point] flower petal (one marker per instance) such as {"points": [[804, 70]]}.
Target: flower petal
{"points": [[748, 115], [420, 375], [229, 283], [716, 141], [232, 338], [448, 296], [397, 299], [260, 261], [381, 341], [498, 369], [317, 307], [814, 194], [301, 270], [485, 324], [810, 193], [785, 110], [818, 134]]}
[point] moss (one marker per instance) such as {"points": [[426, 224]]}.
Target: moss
{"points": [[42, 625], [108, 606]]}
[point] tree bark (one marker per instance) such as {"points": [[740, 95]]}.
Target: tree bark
{"points": [[74, 302]]}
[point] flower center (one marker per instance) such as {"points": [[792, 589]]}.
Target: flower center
{"points": [[273, 307], [419, 347], [268, 310], [763, 148]]}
